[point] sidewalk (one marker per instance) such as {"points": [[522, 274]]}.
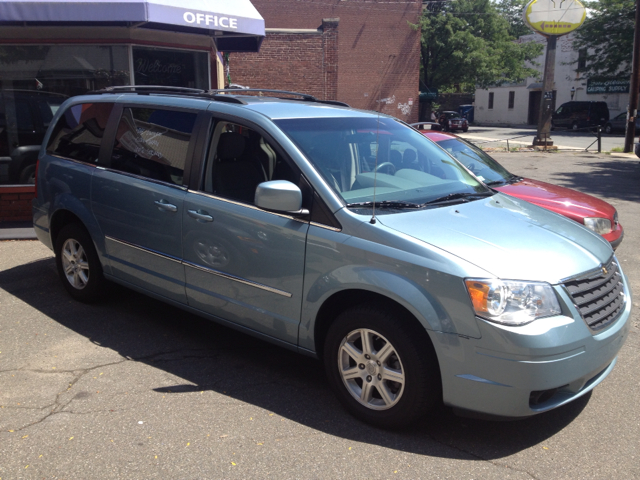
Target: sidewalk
{"points": [[17, 231]]}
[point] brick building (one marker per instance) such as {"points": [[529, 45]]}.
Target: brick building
{"points": [[354, 51]]}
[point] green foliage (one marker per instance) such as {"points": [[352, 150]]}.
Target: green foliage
{"points": [[467, 43], [512, 11], [607, 34]]}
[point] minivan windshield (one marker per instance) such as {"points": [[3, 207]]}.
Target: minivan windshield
{"points": [[381, 160]]}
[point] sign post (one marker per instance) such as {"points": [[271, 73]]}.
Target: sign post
{"points": [[552, 19]]}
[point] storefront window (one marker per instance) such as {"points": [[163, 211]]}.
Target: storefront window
{"points": [[34, 81], [155, 66]]}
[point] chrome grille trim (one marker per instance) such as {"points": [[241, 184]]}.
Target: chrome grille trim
{"points": [[600, 299]]}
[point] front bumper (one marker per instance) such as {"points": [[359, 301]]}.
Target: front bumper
{"points": [[615, 236], [522, 371]]}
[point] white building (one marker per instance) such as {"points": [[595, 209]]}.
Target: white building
{"points": [[518, 104]]}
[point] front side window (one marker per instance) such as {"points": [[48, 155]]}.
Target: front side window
{"points": [[153, 143], [239, 159], [79, 131], [381, 160]]}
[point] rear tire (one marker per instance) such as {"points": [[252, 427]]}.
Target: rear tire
{"points": [[574, 126], [78, 264], [382, 366]]}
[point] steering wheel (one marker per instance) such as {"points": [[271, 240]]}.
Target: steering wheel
{"points": [[391, 168]]}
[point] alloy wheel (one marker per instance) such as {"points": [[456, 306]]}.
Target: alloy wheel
{"points": [[75, 264], [371, 369]]}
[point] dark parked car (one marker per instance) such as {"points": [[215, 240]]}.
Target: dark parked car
{"points": [[619, 124], [577, 115], [452, 121], [24, 118]]}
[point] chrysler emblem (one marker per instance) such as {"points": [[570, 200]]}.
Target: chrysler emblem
{"points": [[604, 270]]}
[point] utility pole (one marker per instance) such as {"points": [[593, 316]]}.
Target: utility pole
{"points": [[551, 19], [632, 109], [543, 137]]}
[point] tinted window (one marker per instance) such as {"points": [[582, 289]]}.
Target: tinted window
{"points": [[153, 143], [24, 117], [48, 108], [79, 131]]}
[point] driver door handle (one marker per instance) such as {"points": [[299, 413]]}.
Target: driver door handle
{"points": [[200, 216], [163, 205]]}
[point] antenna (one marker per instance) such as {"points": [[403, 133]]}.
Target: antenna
{"points": [[375, 170]]}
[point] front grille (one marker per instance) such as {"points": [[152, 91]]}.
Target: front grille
{"points": [[600, 298]]}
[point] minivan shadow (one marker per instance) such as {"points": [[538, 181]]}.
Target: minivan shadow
{"points": [[208, 356]]}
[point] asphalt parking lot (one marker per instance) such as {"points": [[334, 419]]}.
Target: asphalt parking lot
{"points": [[132, 388]]}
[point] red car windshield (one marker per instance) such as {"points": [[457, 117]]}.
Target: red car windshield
{"points": [[481, 164]]}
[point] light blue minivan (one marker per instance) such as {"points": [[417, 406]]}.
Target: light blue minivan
{"points": [[338, 233]]}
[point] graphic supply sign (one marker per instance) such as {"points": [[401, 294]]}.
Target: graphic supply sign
{"points": [[607, 85]]}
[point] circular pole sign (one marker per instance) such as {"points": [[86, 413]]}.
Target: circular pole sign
{"points": [[554, 17]]}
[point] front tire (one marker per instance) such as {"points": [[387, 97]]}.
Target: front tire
{"points": [[607, 128], [78, 264], [28, 175], [382, 366]]}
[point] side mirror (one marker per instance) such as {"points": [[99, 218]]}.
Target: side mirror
{"points": [[279, 196]]}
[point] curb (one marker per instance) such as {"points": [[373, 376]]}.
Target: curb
{"points": [[17, 231]]}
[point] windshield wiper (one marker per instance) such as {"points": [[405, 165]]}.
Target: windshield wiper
{"points": [[385, 204], [515, 179], [497, 183], [459, 197]]}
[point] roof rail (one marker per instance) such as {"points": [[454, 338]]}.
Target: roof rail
{"points": [[241, 91], [304, 96], [147, 89], [217, 94]]}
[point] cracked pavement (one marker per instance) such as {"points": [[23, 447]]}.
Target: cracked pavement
{"points": [[132, 388]]}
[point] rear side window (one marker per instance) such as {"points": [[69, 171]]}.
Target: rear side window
{"points": [[153, 143], [79, 131]]}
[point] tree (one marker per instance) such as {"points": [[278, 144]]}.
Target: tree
{"points": [[607, 37], [467, 43], [512, 11]]}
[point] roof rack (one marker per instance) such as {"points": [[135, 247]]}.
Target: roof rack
{"points": [[221, 95], [303, 96], [147, 89]]}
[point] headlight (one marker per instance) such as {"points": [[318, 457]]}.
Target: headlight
{"points": [[510, 302], [598, 225]]}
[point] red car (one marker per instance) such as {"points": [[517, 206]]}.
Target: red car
{"points": [[593, 213]]}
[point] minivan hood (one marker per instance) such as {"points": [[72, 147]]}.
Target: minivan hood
{"points": [[508, 238]]}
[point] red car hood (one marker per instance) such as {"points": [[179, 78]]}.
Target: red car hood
{"points": [[570, 203]]}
